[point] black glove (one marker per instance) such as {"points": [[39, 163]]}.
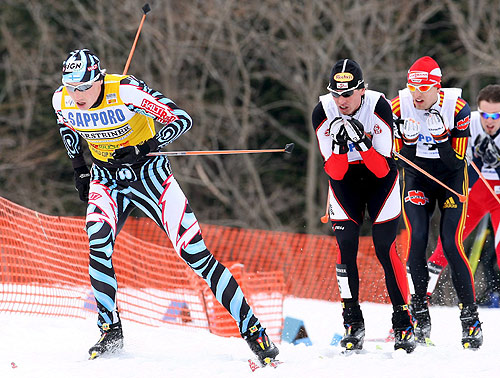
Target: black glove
{"points": [[129, 155], [356, 134], [481, 144], [82, 182], [492, 155], [339, 136], [398, 124]]}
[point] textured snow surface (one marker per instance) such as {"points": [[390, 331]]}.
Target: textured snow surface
{"points": [[39, 346]]}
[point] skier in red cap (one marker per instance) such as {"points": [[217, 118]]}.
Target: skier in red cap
{"points": [[433, 130]]}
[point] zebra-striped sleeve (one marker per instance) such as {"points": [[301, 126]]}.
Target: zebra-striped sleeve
{"points": [[138, 97]]}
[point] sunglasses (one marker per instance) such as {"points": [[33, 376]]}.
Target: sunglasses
{"points": [[493, 116], [345, 94], [83, 86], [421, 88]]}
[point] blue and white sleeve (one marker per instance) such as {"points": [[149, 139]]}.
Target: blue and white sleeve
{"points": [[138, 97]]}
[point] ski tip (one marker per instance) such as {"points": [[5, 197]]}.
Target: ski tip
{"points": [[254, 365], [429, 342], [272, 362], [347, 352], [93, 355]]}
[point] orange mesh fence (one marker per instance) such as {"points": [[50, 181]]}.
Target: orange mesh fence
{"points": [[307, 261], [44, 270]]}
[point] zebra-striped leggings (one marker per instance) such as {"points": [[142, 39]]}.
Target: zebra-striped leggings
{"points": [[154, 190]]}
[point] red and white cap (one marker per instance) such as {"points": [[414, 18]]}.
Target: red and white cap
{"points": [[425, 71]]}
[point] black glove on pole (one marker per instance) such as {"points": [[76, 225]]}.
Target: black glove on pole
{"points": [[356, 134], [130, 155]]}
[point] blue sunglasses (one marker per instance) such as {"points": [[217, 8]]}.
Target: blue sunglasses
{"points": [[493, 116]]}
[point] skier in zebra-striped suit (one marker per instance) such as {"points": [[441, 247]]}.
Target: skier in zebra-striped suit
{"points": [[115, 114]]}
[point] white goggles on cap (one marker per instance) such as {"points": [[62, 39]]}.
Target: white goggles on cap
{"points": [[82, 87]]}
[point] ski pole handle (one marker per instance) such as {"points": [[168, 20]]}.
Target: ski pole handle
{"points": [[146, 8]]}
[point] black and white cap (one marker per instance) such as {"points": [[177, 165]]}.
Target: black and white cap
{"points": [[346, 76]]}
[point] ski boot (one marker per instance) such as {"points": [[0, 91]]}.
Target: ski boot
{"points": [[472, 334], [354, 325], [404, 337], [111, 340], [419, 310], [260, 344]]}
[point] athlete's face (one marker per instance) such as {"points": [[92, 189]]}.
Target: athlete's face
{"points": [[349, 105], [424, 100], [85, 99], [489, 111]]}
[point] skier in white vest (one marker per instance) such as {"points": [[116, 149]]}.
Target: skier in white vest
{"points": [[354, 128], [485, 153], [433, 133]]}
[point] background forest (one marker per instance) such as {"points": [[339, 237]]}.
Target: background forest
{"points": [[248, 72]]}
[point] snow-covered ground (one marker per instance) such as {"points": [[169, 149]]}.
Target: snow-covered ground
{"points": [[39, 347]]}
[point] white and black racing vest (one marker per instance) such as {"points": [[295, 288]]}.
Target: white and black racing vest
{"points": [[426, 145], [380, 133]]}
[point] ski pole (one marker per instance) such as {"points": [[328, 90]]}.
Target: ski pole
{"points": [[146, 8], [288, 149], [461, 197], [325, 218]]}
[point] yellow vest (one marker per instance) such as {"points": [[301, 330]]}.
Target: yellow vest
{"points": [[110, 125]]}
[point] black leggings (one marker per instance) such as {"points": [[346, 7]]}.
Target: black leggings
{"points": [[358, 191], [384, 237], [420, 197]]}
